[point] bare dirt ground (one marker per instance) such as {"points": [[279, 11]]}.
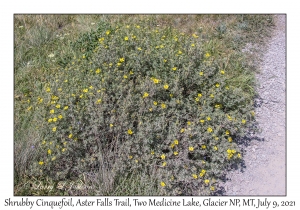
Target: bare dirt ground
{"points": [[264, 171]]}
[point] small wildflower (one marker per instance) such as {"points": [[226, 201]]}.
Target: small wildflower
{"points": [[139, 48], [57, 106], [191, 149], [162, 184], [111, 125], [182, 130], [217, 85], [54, 129], [107, 32], [176, 141], [163, 105], [215, 148], [222, 72], [54, 119], [174, 68], [98, 101], [50, 120], [66, 107], [211, 95], [165, 60], [172, 145], [239, 155], [130, 132], [192, 45], [166, 86], [136, 161], [52, 111], [126, 38], [243, 121], [207, 55], [152, 152], [49, 152], [229, 139], [98, 71], [195, 176], [202, 121], [41, 163], [163, 157], [209, 130], [63, 149], [131, 72], [203, 146], [206, 181], [91, 87], [70, 136], [227, 132], [145, 95], [85, 90], [175, 153], [122, 60], [189, 123], [201, 73], [195, 36], [212, 188], [155, 103], [53, 158], [155, 80], [208, 118], [164, 164]]}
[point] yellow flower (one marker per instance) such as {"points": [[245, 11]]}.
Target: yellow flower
{"points": [[208, 118], [155, 103], [191, 149], [203, 146], [50, 120], [111, 125], [52, 111], [195, 176], [139, 48], [155, 80], [227, 87], [150, 109], [229, 139], [63, 149], [48, 89], [239, 155], [171, 95], [229, 118], [165, 60], [211, 95], [53, 158], [136, 161], [201, 73], [122, 60], [107, 32], [164, 164], [41, 163], [197, 99], [98, 71], [130, 132], [59, 89], [70, 136], [60, 116], [137, 26], [54, 119], [66, 80], [216, 138], [189, 123], [172, 145], [57, 106], [163, 156], [243, 121], [145, 95], [182, 130], [207, 55], [163, 106], [49, 152], [126, 38], [85, 90], [98, 101], [175, 153], [206, 181], [202, 121], [174, 68], [66, 107], [54, 129], [166, 86], [222, 72], [209, 130], [195, 36], [217, 106], [91, 87], [193, 45], [212, 188], [131, 72], [43, 142], [252, 113], [215, 148], [162, 184], [179, 52], [227, 132], [176, 141], [152, 152], [217, 85]]}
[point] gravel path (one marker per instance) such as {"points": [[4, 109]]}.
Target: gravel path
{"points": [[265, 156]]}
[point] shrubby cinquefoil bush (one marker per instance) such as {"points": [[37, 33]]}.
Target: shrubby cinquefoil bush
{"points": [[145, 99]]}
